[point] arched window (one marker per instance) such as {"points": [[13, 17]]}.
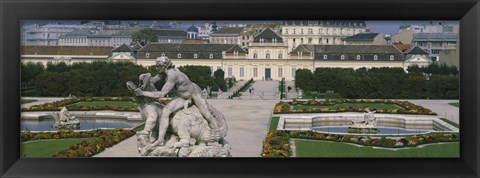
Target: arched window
{"points": [[358, 57], [255, 56], [325, 56], [342, 57], [147, 55], [280, 56], [392, 57], [195, 56], [179, 55], [375, 57], [211, 56], [267, 56]]}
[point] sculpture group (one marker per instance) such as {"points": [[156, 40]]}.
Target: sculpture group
{"points": [[367, 124], [63, 120], [187, 126]]}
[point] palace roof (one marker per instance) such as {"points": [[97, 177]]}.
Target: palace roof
{"points": [[67, 50], [268, 35], [228, 31], [329, 23], [348, 49]]}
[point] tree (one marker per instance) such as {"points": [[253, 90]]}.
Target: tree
{"points": [[145, 36], [219, 76]]}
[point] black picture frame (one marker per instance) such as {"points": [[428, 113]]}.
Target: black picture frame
{"points": [[12, 11]]}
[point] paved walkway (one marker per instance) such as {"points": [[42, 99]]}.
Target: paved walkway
{"points": [[262, 90], [247, 121], [293, 93], [442, 108]]}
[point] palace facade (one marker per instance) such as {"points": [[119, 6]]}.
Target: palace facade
{"points": [[268, 56]]}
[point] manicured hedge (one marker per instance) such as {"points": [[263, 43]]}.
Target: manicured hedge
{"points": [[380, 83]]}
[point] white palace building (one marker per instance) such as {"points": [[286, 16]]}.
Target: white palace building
{"points": [[267, 57]]}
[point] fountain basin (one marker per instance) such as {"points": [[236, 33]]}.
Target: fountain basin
{"points": [[402, 122]]}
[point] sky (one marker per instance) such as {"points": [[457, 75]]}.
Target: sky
{"points": [[386, 27]]}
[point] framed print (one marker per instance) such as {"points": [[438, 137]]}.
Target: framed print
{"points": [[248, 89]]}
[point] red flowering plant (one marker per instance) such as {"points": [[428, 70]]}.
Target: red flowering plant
{"points": [[107, 139]]}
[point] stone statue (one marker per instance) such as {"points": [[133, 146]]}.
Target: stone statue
{"points": [[196, 129], [150, 109], [367, 124], [63, 120]]}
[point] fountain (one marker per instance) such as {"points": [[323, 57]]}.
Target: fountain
{"points": [[367, 124]]}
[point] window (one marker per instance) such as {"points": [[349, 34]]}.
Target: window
{"points": [[325, 56], [310, 40], [242, 72], [267, 56], [310, 31], [301, 31], [342, 57], [255, 55], [229, 71], [235, 53], [320, 31], [211, 56], [286, 31], [294, 70], [179, 55], [195, 56], [280, 72], [327, 41], [147, 55], [375, 57], [358, 57], [280, 56], [320, 41], [392, 57], [255, 72]]}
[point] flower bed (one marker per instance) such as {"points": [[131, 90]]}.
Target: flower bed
{"points": [[408, 107], [409, 141], [106, 139], [69, 104], [276, 144], [278, 149]]}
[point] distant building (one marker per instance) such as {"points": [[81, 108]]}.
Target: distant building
{"points": [[48, 35], [252, 30], [67, 54], [96, 37], [205, 30], [328, 32], [171, 36], [226, 35], [434, 43], [404, 36], [365, 39], [192, 32]]}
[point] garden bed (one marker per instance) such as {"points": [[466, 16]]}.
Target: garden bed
{"points": [[276, 142], [350, 105]]}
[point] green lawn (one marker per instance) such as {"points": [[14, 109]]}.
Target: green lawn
{"points": [[346, 105], [450, 122], [46, 148], [274, 123], [23, 101], [108, 103], [455, 104], [314, 148]]}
